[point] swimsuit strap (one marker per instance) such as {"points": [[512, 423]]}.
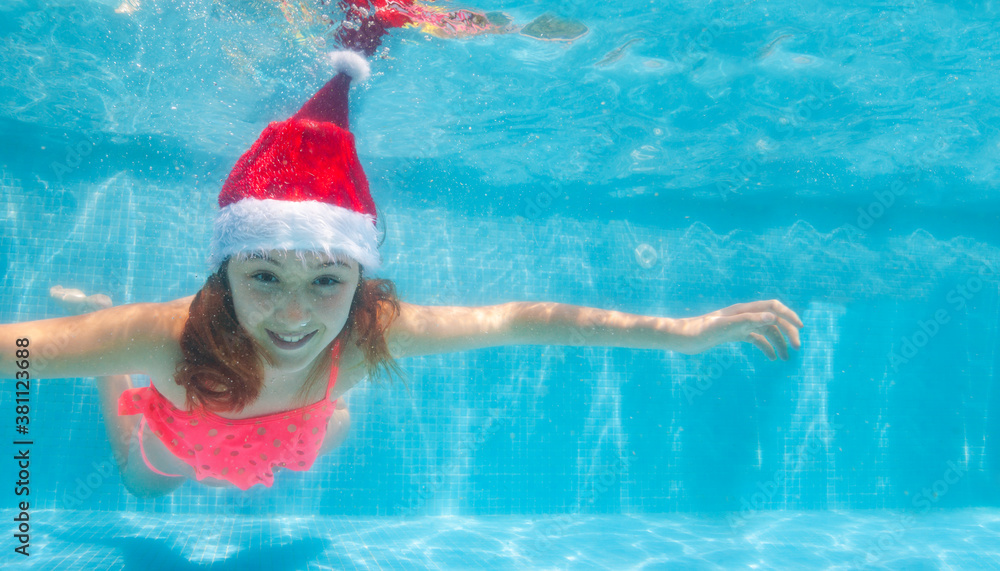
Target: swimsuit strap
{"points": [[334, 366], [142, 450]]}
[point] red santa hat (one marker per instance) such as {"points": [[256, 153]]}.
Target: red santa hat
{"points": [[301, 186]]}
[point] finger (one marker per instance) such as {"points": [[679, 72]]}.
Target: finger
{"points": [[782, 310], [791, 331], [754, 307], [774, 335], [772, 305], [762, 344]]}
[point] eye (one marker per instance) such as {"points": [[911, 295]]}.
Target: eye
{"points": [[327, 281], [264, 277]]}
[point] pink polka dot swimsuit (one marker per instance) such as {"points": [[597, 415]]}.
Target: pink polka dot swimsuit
{"points": [[243, 451]]}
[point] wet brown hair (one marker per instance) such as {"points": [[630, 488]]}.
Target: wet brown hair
{"points": [[223, 369]]}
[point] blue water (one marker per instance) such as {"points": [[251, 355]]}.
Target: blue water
{"points": [[963, 539], [840, 157]]}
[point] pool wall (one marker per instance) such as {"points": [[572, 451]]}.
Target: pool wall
{"points": [[890, 403]]}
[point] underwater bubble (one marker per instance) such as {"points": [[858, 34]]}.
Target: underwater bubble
{"points": [[645, 255]]}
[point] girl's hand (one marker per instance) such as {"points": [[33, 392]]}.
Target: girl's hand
{"points": [[763, 323]]}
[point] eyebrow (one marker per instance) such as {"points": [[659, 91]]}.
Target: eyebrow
{"points": [[334, 263], [321, 266]]}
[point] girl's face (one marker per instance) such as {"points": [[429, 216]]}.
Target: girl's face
{"points": [[294, 310]]}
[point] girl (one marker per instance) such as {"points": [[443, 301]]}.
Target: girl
{"points": [[366, 21], [247, 375]]}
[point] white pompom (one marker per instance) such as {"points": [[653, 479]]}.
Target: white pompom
{"points": [[351, 63]]}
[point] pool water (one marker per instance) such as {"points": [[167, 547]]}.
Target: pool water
{"points": [[959, 539], [675, 160]]}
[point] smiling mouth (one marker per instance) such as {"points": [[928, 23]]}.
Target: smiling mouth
{"points": [[289, 341]]}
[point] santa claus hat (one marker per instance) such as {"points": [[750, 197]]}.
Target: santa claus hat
{"points": [[301, 186]]}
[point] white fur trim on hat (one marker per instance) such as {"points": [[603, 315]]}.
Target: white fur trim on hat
{"points": [[351, 63], [254, 225]]}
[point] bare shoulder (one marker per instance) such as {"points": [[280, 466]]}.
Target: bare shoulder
{"points": [[353, 365], [175, 315], [170, 318], [164, 323]]}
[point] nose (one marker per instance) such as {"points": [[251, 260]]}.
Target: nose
{"points": [[293, 312]]}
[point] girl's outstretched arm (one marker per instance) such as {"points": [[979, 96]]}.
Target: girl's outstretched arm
{"points": [[119, 340], [425, 330]]}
